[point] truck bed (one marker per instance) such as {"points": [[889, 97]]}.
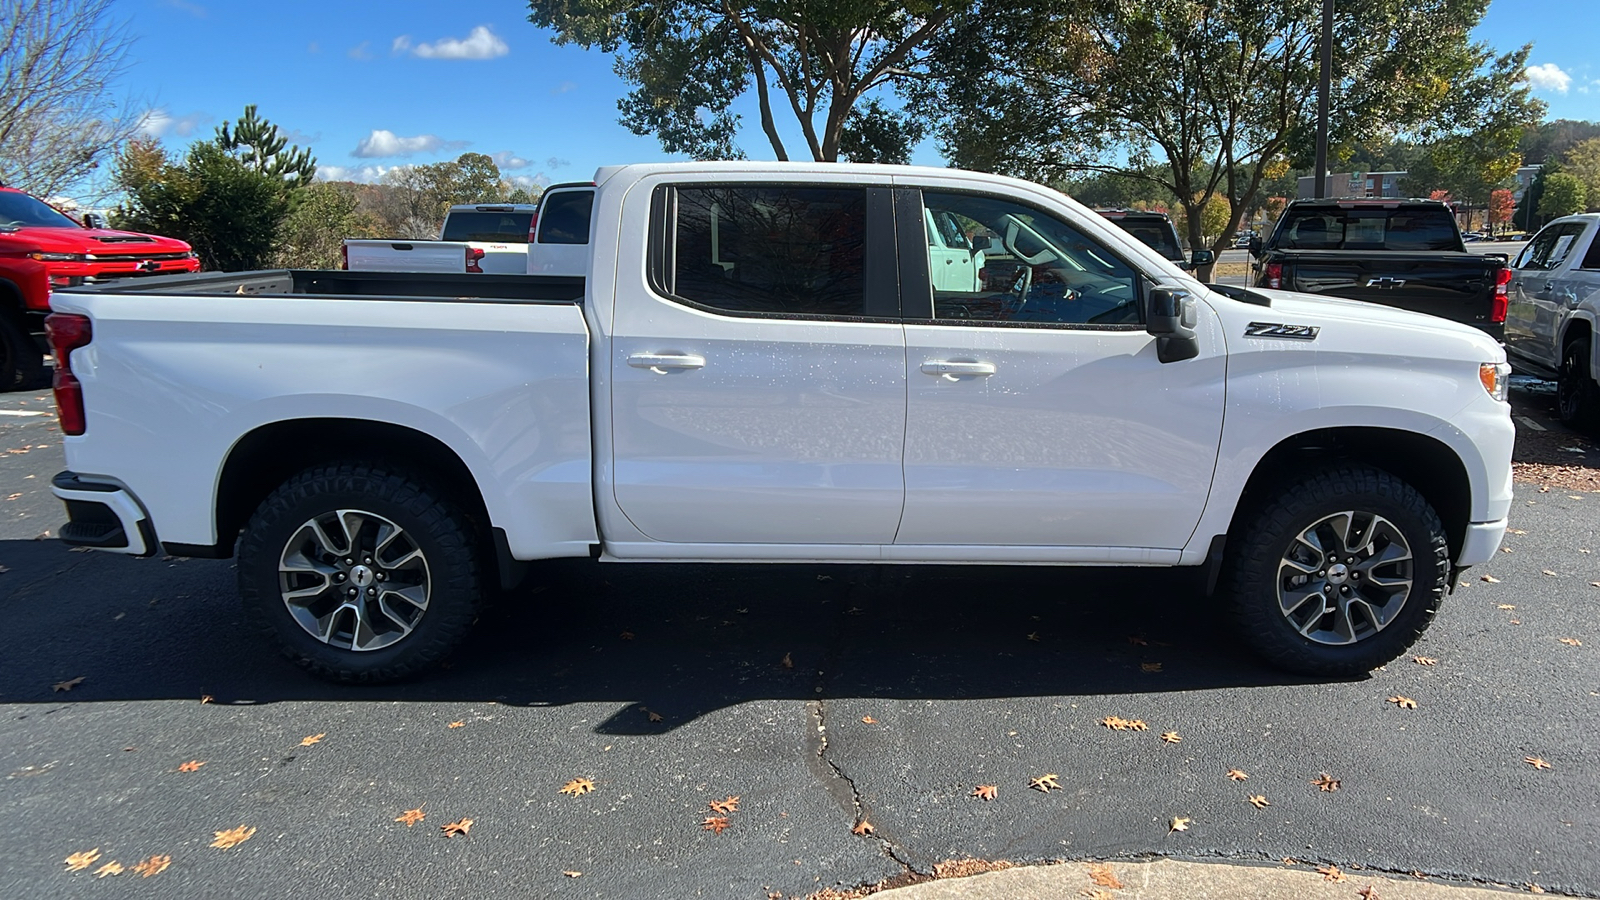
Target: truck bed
{"points": [[340, 283], [1455, 286]]}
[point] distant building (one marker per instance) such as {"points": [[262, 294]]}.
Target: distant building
{"points": [[1354, 186], [1525, 177]]}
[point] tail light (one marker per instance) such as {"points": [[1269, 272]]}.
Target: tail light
{"points": [[1274, 275], [1502, 298], [474, 256], [68, 332], [344, 256], [533, 226]]}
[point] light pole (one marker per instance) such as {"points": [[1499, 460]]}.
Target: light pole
{"points": [[1323, 84]]}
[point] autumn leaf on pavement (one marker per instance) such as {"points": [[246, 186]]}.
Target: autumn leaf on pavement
{"points": [[69, 684], [1368, 893], [985, 791], [1330, 873], [652, 715], [1102, 876], [626, 635], [110, 868], [728, 805], [1172, 737], [863, 827], [868, 720], [1571, 642], [1326, 782], [1033, 636], [577, 787], [233, 837], [1550, 573], [207, 698], [1178, 823], [788, 663], [1424, 660], [571, 873], [82, 860], [1118, 723], [1237, 774], [155, 865], [458, 725], [308, 741], [1515, 531], [1096, 894], [715, 824], [1045, 783], [1258, 801], [1402, 702], [1490, 579], [1150, 667], [1506, 606], [411, 816], [454, 828], [1536, 762], [192, 765]]}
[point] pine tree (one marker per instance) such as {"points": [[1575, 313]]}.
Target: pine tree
{"points": [[257, 143]]}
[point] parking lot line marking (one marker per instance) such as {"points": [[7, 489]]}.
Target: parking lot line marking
{"points": [[22, 412], [1531, 423]]}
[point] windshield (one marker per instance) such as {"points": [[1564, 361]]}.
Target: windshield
{"points": [[18, 210], [1159, 236], [1368, 229], [499, 227]]}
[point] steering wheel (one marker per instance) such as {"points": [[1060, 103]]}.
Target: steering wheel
{"points": [[1020, 284]]}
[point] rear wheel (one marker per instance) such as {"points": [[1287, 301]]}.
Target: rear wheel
{"points": [[1339, 573], [20, 358], [1577, 395], [360, 573]]}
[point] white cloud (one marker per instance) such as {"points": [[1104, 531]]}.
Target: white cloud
{"points": [[158, 123], [480, 43], [1547, 77], [563, 87], [555, 162], [540, 181], [361, 51], [384, 143], [505, 159], [359, 174]]}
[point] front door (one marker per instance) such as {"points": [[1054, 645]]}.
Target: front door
{"points": [[1531, 313], [758, 379], [1038, 414]]}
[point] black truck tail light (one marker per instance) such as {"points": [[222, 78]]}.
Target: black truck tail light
{"points": [[1274, 275], [68, 332], [1502, 297]]}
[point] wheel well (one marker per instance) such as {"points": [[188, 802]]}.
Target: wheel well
{"points": [[1425, 463], [1578, 329], [268, 456]]}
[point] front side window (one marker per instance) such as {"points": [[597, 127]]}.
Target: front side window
{"points": [[1549, 248], [1001, 261], [770, 249]]}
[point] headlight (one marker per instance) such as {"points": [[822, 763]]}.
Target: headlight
{"points": [[1496, 378], [58, 257]]}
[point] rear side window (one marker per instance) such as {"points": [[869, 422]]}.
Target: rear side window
{"points": [[1549, 249], [775, 249], [1159, 236], [564, 217], [1591, 260], [497, 227], [1398, 230]]}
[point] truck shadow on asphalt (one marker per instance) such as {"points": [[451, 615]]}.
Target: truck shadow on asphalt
{"points": [[679, 640]]}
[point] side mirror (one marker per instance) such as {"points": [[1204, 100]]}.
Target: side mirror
{"points": [[1171, 319], [1255, 245], [980, 243], [1203, 258], [94, 220]]}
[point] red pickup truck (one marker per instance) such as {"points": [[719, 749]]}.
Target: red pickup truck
{"points": [[40, 247]]}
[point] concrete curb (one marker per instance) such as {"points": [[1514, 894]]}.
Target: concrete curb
{"points": [[1170, 879]]}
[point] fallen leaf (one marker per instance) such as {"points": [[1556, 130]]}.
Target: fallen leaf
{"points": [[1594, 584], [1424, 660], [110, 868], [1489, 578], [1403, 702], [233, 837], [1045, 783], [1237, 774], [787, 662], [155, 865], [464, 826], [68, 684], [652, 715], [1505, 606], [1570, 642], [985, 792], [571, 874], [1117, 723], [728, 805], [1095, 894], [1536, 762], [308, 741], [207, 698], [1507, 550], [577, 787], [824, 577], [1368, 893], [82, 859], [626, 635], [411, 816], [1258, 801], [1513, 621], [1178, 823], [1033, 636], [715, 824], [1534, 888], [1150, 667], [1515, 531], [1550, 573], [854, 611], [192, 765], [457, 725], [1171, 737], [1326, 782], [1101, 875], [863, 827], [1330, 873], [868, 720]]}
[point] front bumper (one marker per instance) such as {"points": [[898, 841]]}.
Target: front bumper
{"points": [[1480, 542], [103, 516]]}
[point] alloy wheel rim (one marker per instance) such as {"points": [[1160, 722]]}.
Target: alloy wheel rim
{"points": [[1345, 578], [354, 580]]}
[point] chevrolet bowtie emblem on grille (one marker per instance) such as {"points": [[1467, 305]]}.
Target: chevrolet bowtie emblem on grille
{"points": [[1279, 330], [149, 265], [1385, 282]]}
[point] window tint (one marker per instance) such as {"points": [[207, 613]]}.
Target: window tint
{"points": [[499, 227], [1368, 229], [1159, 236], [1549, 249], [564, 217], [1591, 260], [771, 249], [20, 210], [1014, 263]]}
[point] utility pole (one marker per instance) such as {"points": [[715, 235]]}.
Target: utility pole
{"points": [[1324, 83]]}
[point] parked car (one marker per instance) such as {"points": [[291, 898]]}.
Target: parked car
{"points": [[1555, 304], [1158, 232], [1402, 253], [492, 238], [759, 365], [43, 247]]}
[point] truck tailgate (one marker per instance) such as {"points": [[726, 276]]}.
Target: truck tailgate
{"points": [[405, 256], [1456, 286]]}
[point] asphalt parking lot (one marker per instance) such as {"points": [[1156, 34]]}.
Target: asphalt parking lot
{"points": [[820, 697]]}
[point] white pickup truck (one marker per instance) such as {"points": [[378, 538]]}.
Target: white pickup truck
{"points": [[491, 238], [1554, 311], [758, 365]]}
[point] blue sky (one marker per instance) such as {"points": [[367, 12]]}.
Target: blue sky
{"points": [[373, 85]]}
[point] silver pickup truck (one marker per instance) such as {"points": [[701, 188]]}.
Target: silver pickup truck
{"points": [[1555, 302]]}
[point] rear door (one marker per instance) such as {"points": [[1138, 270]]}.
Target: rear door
{"points": [[1533, 313], [758, 370]]}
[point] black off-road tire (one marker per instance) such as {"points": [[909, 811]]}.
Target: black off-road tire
{"points": [[438, 529], [1255, 554], [21, 361], [1577, 395]]}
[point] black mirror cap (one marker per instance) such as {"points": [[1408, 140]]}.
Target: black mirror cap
{"points": [[1255, 245], [1204, 257], [981, 242], [1171, 319]]}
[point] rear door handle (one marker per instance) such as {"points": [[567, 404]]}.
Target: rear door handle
{"points": [[954, 368], [660, 362]]}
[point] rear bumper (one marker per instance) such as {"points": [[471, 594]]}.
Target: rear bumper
{"points": [[103, 516], [1480, 542]]}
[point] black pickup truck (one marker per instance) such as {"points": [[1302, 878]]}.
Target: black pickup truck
{"points": [[1403, 253]]}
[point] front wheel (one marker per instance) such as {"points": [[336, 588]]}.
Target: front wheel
{"points": [[1577, 395], [1338, 573], [360, 573]]}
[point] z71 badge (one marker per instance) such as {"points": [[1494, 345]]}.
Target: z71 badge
{"points": [[1279, 330]]}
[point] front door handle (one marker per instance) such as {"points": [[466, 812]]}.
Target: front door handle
{"points": [[956, 368], [660, 362]]}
